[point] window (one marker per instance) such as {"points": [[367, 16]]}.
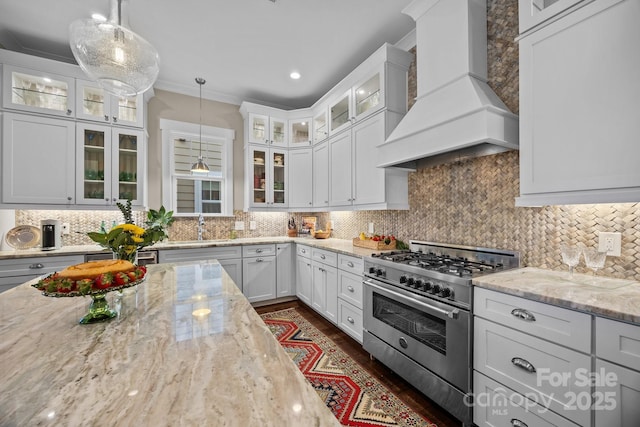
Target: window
{"points": [[188, 193]]}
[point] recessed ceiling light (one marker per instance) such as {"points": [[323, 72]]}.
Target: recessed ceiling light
{"points": [[98, 17], [294, 75]]}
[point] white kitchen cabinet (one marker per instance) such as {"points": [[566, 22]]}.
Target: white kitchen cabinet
{"points": [[350, 270], [355, 180], [233, 268], [110, 164], [320, 174], [340, 113], [320, 124], [301, 181], [259, 272], [285, 283], [14, 272], [324, 283], [303, 274], [267, 130], [300, 132], [267, 177], [37, 91], [578, 137], [535, 12], [38, 160], [94, 104]]}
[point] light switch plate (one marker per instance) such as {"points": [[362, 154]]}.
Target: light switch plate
{"points": [[370, 230], [239, 225], [65, 228], [610, 243], [252, 225]]}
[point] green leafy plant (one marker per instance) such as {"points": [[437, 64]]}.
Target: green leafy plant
{"points": [[126, 239]]}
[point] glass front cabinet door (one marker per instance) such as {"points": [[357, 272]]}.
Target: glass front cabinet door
{"points": [[320, 125], [37, 91], [109, 161], [268, 184], [300, 132], [368, 96], [340, 113], [97, 105], [267, 130]]}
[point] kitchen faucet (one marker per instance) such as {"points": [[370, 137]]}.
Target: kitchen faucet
{"points": [[200, 226]]}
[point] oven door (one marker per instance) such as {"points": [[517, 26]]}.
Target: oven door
{"points": [[434, 334]]}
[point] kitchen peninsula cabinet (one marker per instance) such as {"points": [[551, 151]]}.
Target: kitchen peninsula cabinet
{"points": [[14, 272], [579, 136], [38, 160], [110, 163], [229, 257]]}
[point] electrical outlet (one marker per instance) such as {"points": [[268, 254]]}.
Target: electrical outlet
{"points": [[252, 225], [370, 230], [610, 243], [65, 228], [239, 225]]}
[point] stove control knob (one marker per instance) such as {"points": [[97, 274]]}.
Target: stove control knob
{"points": [[372, 270], [435, 289], [446, 292], [427, 286], [380, 272], [403, 279], [419, 283], [411, 281]]}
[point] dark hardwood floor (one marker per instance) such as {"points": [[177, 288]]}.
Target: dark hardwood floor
{"points": [[405, 391]]}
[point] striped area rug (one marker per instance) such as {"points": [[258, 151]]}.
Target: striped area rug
{"points": [[355, 397]]}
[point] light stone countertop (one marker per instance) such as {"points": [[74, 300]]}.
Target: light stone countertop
{"points": [[343, 246], [154, 364], [603, 296]]}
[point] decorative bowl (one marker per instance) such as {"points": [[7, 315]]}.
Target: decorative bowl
{"points": [[321, 234]]}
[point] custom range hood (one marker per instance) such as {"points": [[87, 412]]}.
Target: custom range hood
{"points": [[456, 114]]}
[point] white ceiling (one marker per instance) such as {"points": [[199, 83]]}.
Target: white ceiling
{"points": [[245, 49]]}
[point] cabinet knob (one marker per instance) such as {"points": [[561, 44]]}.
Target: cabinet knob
{"points": [[310, 203], [350, 288], [303, 251], [69, 112], [349, 264], [69, 198], [35, 266], [115, 119], [258, 251], [106, 118], [106, 199], [322, 256], [350, 319], [114, 199]]}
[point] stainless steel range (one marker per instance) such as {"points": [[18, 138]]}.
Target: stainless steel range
{"points": [[417, 315]]}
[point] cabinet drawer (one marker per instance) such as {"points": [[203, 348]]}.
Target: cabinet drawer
{"points": [[351, 264], [219, 252], [350, 320], [496, 405], [303, 251], [618, 342], [325, 257], [551, 373], [36, 266], [556, 324], [350, 288], [258, 250]]}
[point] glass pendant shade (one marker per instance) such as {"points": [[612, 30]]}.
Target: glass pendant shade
{"points": [[122, 62], [200, 166]]}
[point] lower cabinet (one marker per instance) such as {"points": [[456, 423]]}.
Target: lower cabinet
{"points": [[350, 271], [14, 272], [303, 274], [259, 272], [233, 267], [229, 257], [285, 284], [324, 294]]}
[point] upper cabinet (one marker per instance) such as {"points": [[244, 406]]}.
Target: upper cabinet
{"points": [[579, 92], [320, 124], [535, 12], [340, 113], [268, 182], [37, 91], [93, 103], [267, 130], [300, 132]]}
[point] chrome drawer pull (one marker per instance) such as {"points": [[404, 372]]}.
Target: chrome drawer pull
{"points": [[350, 319], [259, 260], [523, 314], [349, 264], [524, 364], [38, 265], [350, 288], [403, 342], [322, 256], [258, 251], [517, 423]]}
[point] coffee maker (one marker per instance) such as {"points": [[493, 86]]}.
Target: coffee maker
{"points": [[51, 234]]}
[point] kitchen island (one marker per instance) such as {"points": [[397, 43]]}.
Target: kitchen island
{"points": [[186, 349]]}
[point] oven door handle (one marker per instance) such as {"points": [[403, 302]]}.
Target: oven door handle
{"points": [[452, 314]]}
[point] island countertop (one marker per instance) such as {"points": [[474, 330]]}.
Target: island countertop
{"points": [[156, 363]]}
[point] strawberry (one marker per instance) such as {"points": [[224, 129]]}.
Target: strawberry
{"points": [[104, 281], [84, 285], [132, 275], [65, 286], [121, 278], [140, 271]]}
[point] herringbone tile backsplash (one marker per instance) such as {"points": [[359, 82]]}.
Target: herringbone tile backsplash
{"points": [[470, 202]]}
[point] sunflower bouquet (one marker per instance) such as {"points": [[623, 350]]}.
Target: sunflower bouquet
{"points": [[125, 240]]}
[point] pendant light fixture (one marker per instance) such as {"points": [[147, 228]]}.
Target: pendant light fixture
{"points": [[122, 62], [200, 166]]}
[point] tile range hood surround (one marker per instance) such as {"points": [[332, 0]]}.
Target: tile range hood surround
{"points": [[456, 114]]}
